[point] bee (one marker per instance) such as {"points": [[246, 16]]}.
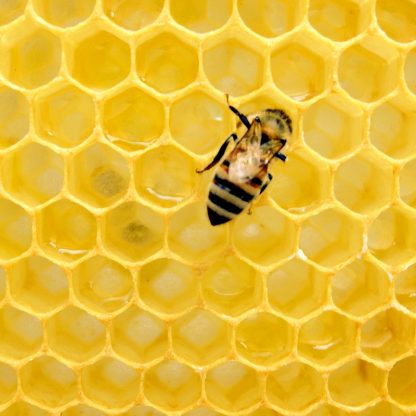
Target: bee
{"points": [[243, 173]]}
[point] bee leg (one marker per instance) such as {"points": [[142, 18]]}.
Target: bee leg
{"points": [[266, 183], [220, 153], [242, 117], [280, 156]]}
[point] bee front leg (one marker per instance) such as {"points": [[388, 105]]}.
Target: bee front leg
{"points": [[241, 116]]}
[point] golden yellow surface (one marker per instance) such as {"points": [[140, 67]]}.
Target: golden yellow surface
{"points": [[117, 297]]}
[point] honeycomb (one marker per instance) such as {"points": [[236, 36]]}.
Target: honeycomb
{"points": [[117, 297]]}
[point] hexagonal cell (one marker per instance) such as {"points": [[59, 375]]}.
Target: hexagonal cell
{"points": [[264, 237], [396, 19], [82, 410], [33, 173], [133, 231], [402, 381], [15, 230], [64, 115], [172, 385], [132, 14], [360, 287], [294, 387], [38, 284], [200, 337], [20, 408], [139, 336], [356, 383], [333, 126], [231, 287], [296, 288], [8, 383], [67, 231], [110, 383], [166, 63], [391, 236], [165, 176], [100, 60], [102, 284], [405, 288], [407, 183], [98, 175], [14, 116], [392, 127], [382, 409], [302, 184], [368, 70], [32, 55], [263, 338], [270, 18], [11, 10], [331, 237], [327, 410], [300, 66], [232, 386], [132, 119], [191, 235], [327, 338], [387, 335], [339, 20], [364, 183], [410, 70], [206, 15], [48, 382], [75, 335], [142, 411], [64, 13], [223, 65]]}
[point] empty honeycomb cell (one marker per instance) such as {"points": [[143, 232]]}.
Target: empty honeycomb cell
{"points": [[301, 185], [48, 382], [133, 14], [15, 230], [133, 231], [327, 338], [405, 288], [339, 20], [382, 409], [14, 116], [33, 173], [199, 122], [139, 336], [11, 10], [331, 237], [167, 286], [333, 126], [166, 63], [132, 119], [67, 231], [294, 387], [142, 411], [102, 284], [20, 408], [200, 337], [32, 55], [64, 115], [270, 18], [110, 383], [407, 184], [38, 284], [368, 70], [360, 288], [99, 61], [356, 383], [201, 16], [8, 383], [98, 175], [263, 338], [300, 66], [391, 236], [232, 386], [230, 286], [396, 18], [410, 70], [223, 63], [165, 176], [264, 237], [327, 410], [296, 288], [402, 381], [364, 183], [82, 410], [191, 235], [75, 335], [392, 127], [172, 386], [388, 335], [64, 13]]}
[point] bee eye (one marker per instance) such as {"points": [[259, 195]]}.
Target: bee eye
{"points": [[257, 119]]}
